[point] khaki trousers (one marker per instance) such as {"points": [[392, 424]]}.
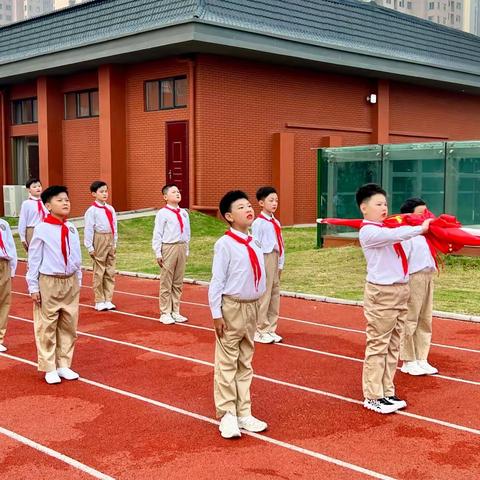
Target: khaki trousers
{"points": [[385, 308], [418, 325], [174, 257], [233, 358], [55, 321], [270, 300], [5, 295], [29, 234], [103, 267]]}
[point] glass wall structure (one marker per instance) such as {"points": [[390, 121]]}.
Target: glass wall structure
{"points": [[445, 174]]}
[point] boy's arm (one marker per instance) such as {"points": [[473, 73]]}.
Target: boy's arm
{"points": [[115, 225], [35, 256], [88, 230], [22, 223], [78, 251], [218, 281], [257, 231], [12, 250], [189, 233], [157, 239], [374, 236]]}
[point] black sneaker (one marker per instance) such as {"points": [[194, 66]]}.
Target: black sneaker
{"points": [[397, 401], [382, 405]]}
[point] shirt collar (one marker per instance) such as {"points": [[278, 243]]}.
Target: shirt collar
{"points": [[240, 234]]}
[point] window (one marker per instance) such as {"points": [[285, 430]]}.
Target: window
{"points": [[457, 18], [431, 5], [8, 7], [409, 5], [430, 17], [81, 104], [24, 111], [24, 159], [459, 6], [401, 3], [166, 93]]}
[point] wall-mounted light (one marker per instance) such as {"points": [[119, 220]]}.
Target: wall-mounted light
{"points": [[372, 98]]}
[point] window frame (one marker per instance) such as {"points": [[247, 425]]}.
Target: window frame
{"points": [[158, 83], [34, 106], [77, 94]]}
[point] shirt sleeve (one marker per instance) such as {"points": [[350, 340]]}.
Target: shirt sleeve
{"points": [[375, 237], [157, 239], [188, 232], [219, 279], [12, 251], [88, 231], [257, 231], [115, 224], [78, 254], [35, 257], [22, 223], [281, 258]]}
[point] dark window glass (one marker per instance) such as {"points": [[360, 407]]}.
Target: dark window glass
{"points": [[94, 103], [27, 112], [70, 105], [24, 111], [166, 91], [152, 99], [17, 112], [181, 92], [83, 104]]}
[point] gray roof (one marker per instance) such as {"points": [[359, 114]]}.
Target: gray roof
{"points": [[355, 34]]}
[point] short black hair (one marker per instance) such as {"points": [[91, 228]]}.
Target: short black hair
{"points": [[410, 204], [367, 191], [31, 181], [227, 200], [264, 192], [167, 187], [53, 191], [96, 185]]}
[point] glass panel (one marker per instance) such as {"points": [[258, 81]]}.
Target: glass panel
{"points": [[94, 103], [181, 92], [35, 110], [166, 92], [24, 159], [83, 104], [17, 112], [152, 99], [70, 106]]}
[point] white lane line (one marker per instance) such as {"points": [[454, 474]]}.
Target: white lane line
{"points": [[197, 416], [283, 344], [53, 453], [266, 379]]}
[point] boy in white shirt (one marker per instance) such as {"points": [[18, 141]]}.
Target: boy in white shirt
{"points": [[385, 299], [417, 337], [171, 236], [8, 265], [100, 239], [238, 282], [32, 212], [54, 277], [268, 231]]}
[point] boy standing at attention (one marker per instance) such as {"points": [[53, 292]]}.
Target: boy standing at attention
{"points": [[238, 282], [8, 265], [418, 325], [54, 277], [385, 299], [171, 236], [267, 230], [100, 239], [33, 212]]}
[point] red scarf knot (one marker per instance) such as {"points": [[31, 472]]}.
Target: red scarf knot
{"points": [[254, 262], [176, 211], [41, 211], [65, 240], [109, 214], [278, 231]]}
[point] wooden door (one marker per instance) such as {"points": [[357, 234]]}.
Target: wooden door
{"points": [[177, 158]]}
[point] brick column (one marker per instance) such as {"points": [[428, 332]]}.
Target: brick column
{"points": [[113, 164], [283, 175], [50, 138], [381, 124], [3, 145]]}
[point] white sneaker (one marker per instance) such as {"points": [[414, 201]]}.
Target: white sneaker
{"points": [[110, 306], [166, 318], [397, 402], [52, 377], [229, 426], [429, 370], [412, 368], [67, 373], [178, 318], [3, 348], [101, 306], [251, 424], [382, 405], [263, 338], [276, 338]]}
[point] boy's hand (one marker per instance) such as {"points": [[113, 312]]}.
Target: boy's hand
{"points": [[220, 326], [36, 298], [25, 246], [280, 273], [160, 262], [426, 224]]}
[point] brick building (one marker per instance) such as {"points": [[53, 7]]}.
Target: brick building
{"points": [[223, 94]]}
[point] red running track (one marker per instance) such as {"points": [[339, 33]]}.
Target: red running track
{"points": [[124, 424]]}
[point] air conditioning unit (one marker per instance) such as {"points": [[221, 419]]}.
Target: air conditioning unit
{"points": [[13, 196]]}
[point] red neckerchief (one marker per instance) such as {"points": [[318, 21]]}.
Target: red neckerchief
{"points": [[109, 215], [257, 271], [278, 231], [2, 245], [396, 246], [176, 211], [41, 211], [64, 232]]}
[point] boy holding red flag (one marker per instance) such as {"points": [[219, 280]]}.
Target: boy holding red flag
{"points": [[54, 277], [100, 239], [238, 282]]}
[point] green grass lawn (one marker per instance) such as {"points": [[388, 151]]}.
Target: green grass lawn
{"points": [[338, 272]]}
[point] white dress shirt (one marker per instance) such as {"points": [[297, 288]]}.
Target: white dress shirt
{"points": [[419, 255], [11, 251], [264, 232], [96, 220], [384, 267], [167, 229], [45, 254], [232, 272], [29, 216]]}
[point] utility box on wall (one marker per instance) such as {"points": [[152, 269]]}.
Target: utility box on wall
{"points": [[13, 196]]}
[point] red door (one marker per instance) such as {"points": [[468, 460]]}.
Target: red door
{"points": [[177, 158]]}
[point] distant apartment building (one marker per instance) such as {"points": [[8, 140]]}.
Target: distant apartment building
{"points": [[472, 17], [67, 3], [6, 12], [33, 8], [444, 12]]}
